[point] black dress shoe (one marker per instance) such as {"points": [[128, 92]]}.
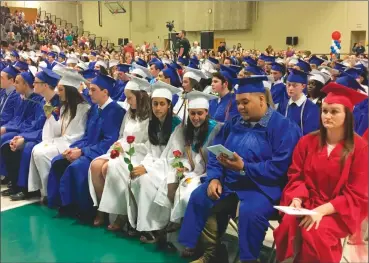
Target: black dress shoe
{"points": [[4, 181], [8, 192], [18, 196]]}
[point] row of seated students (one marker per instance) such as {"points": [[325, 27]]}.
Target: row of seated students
{"points": [[150, 167]]}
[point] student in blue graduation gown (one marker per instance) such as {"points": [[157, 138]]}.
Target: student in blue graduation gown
{"points": [[9, 98], [17, 153], [224, 108], [88, 74], [51, 59], [68, 179], [93, 60], [26, 112], [155, 67], [252, 180], [298, 108], [121, 81], [278, 90]]}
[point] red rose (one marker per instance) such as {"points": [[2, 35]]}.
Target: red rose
{"points": [[177, 153], [114, 154], [130, 139]]}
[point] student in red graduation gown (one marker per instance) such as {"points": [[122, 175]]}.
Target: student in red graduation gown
{"points": [[329, 176], [365, 135]]}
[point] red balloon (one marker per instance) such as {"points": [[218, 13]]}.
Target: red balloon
{"points": [[336, 35]]}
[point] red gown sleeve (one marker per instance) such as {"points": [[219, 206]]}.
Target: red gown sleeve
{"points": [[352, 203], [296, 181]]}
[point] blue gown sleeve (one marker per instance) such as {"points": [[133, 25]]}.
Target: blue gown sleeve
{"points": [[110, 129], [311, 122], [214, 170], [283, 144], [233, 111], [34, 132], [10, 109]]}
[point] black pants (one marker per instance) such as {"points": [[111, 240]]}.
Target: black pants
{"points": [[12, 163], [60, 166]]}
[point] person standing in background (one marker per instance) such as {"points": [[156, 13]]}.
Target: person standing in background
{"points": [[184, 45]]}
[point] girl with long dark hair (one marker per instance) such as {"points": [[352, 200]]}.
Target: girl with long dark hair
{"points": [[145, 214], [327, 175], [109, 176], [58, 135]]}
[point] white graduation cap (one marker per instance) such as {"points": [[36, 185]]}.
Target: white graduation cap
{"points": [[292, 61], [329, 70], [208, 74], [58, 67], [161, 89], [34, 59], [279, 61], [42, 64], [113, 63], [32, 53], [55, 48], [32, 69], [199, 100], [72, 60], [101, 64], [142, 70], [318, 77], [85, 55], [71, 78], [76, 54], [82, 65], [195, 74], [166, 61], [136, 83], [24, 55]]}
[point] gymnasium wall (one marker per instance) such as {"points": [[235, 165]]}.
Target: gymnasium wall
{"points": [[66, 10], [312, 22]]}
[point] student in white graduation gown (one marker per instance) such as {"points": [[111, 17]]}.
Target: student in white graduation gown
{"points": [[191, 81], [155, 170], [58, 135], [108, 177], [198, 134]]}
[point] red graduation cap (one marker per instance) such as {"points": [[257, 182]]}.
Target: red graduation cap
{"points": [[340, 94]]}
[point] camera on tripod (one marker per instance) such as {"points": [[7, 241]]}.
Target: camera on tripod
{"points": [[170, 26]]}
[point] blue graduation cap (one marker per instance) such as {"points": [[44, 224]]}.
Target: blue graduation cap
{"points": [[158, 64], [278, 67], [93, 53], [194, 63], [338, 66], [124, 67], [349, 81], [52, 54], [213, 60], [3, 65], [250, 61], [183, 61], [11, 70], [303, 65], [269, 59], [28, 78], [14, 54], [250, 84], [236, 68], [62, 55], [175, 65], [314, 60], [171, 73], [141, 62], [255, 70], [48, 76], [355, 73], [104, 82], [89, 73], [21, 65], [228, 73], [43, 52], [297, 76]]}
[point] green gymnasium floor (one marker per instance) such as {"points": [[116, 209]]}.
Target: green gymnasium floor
{"points": [[30, 233]]}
